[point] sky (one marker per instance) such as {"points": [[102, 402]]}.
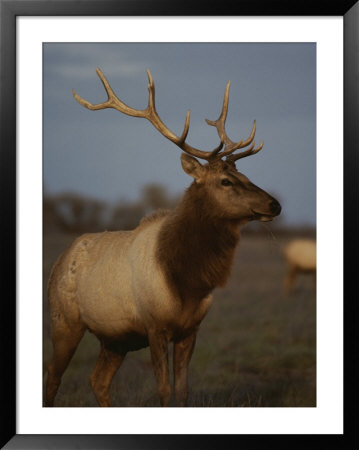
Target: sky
{"points": [[110, 156]]}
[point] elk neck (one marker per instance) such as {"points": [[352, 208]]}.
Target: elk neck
{"points": [[196, 246]]}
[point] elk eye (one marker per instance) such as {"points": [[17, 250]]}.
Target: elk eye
{"points": [[226, 182]]}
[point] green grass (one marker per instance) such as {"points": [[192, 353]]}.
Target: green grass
{"points": [[255, 348]]}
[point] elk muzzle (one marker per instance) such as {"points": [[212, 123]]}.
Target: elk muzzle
{"points": [[274, 209]]}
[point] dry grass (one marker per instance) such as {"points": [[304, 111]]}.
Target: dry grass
{"points": [[255, 348]]}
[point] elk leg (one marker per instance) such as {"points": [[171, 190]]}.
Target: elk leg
{"points": [[101, 377], [159, 355], [182, 353], [289, 280], [65, 342]]}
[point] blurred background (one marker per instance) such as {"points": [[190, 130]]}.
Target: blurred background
{"points": [[103, 170]]}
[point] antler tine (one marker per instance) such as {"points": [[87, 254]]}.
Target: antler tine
{"points": [[220, 122], [250, 151], [153, 117], [149, 113], [231, 146], [112, 100]]}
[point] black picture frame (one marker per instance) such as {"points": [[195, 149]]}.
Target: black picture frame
{"points": [[9, 10]]}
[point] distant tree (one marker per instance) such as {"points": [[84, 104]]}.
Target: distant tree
{"points": [[70, 212], [126, 216], [155, 196], [52, 221], [73, 213]]}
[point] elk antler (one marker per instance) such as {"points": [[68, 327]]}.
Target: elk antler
{"points": [[230, 146], [150, 114]]}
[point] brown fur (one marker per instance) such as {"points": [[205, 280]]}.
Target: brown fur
{"points": [[196, 247]]}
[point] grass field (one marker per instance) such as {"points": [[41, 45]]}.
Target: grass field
{"points": [[255, 348]]}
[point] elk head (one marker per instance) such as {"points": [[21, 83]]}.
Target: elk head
{"points": [[231, 193]]}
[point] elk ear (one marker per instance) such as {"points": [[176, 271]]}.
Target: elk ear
{"points": [[192, 167]]}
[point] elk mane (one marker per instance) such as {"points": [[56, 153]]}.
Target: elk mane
{"points": [[195, 269]]}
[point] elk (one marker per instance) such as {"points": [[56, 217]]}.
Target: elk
{"points": [[152, 285], [301, 257]]}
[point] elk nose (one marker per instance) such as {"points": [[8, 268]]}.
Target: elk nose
{"points": [[275, 207]]}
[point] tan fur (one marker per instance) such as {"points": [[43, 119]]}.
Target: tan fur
{"points": [[301, 257]]}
